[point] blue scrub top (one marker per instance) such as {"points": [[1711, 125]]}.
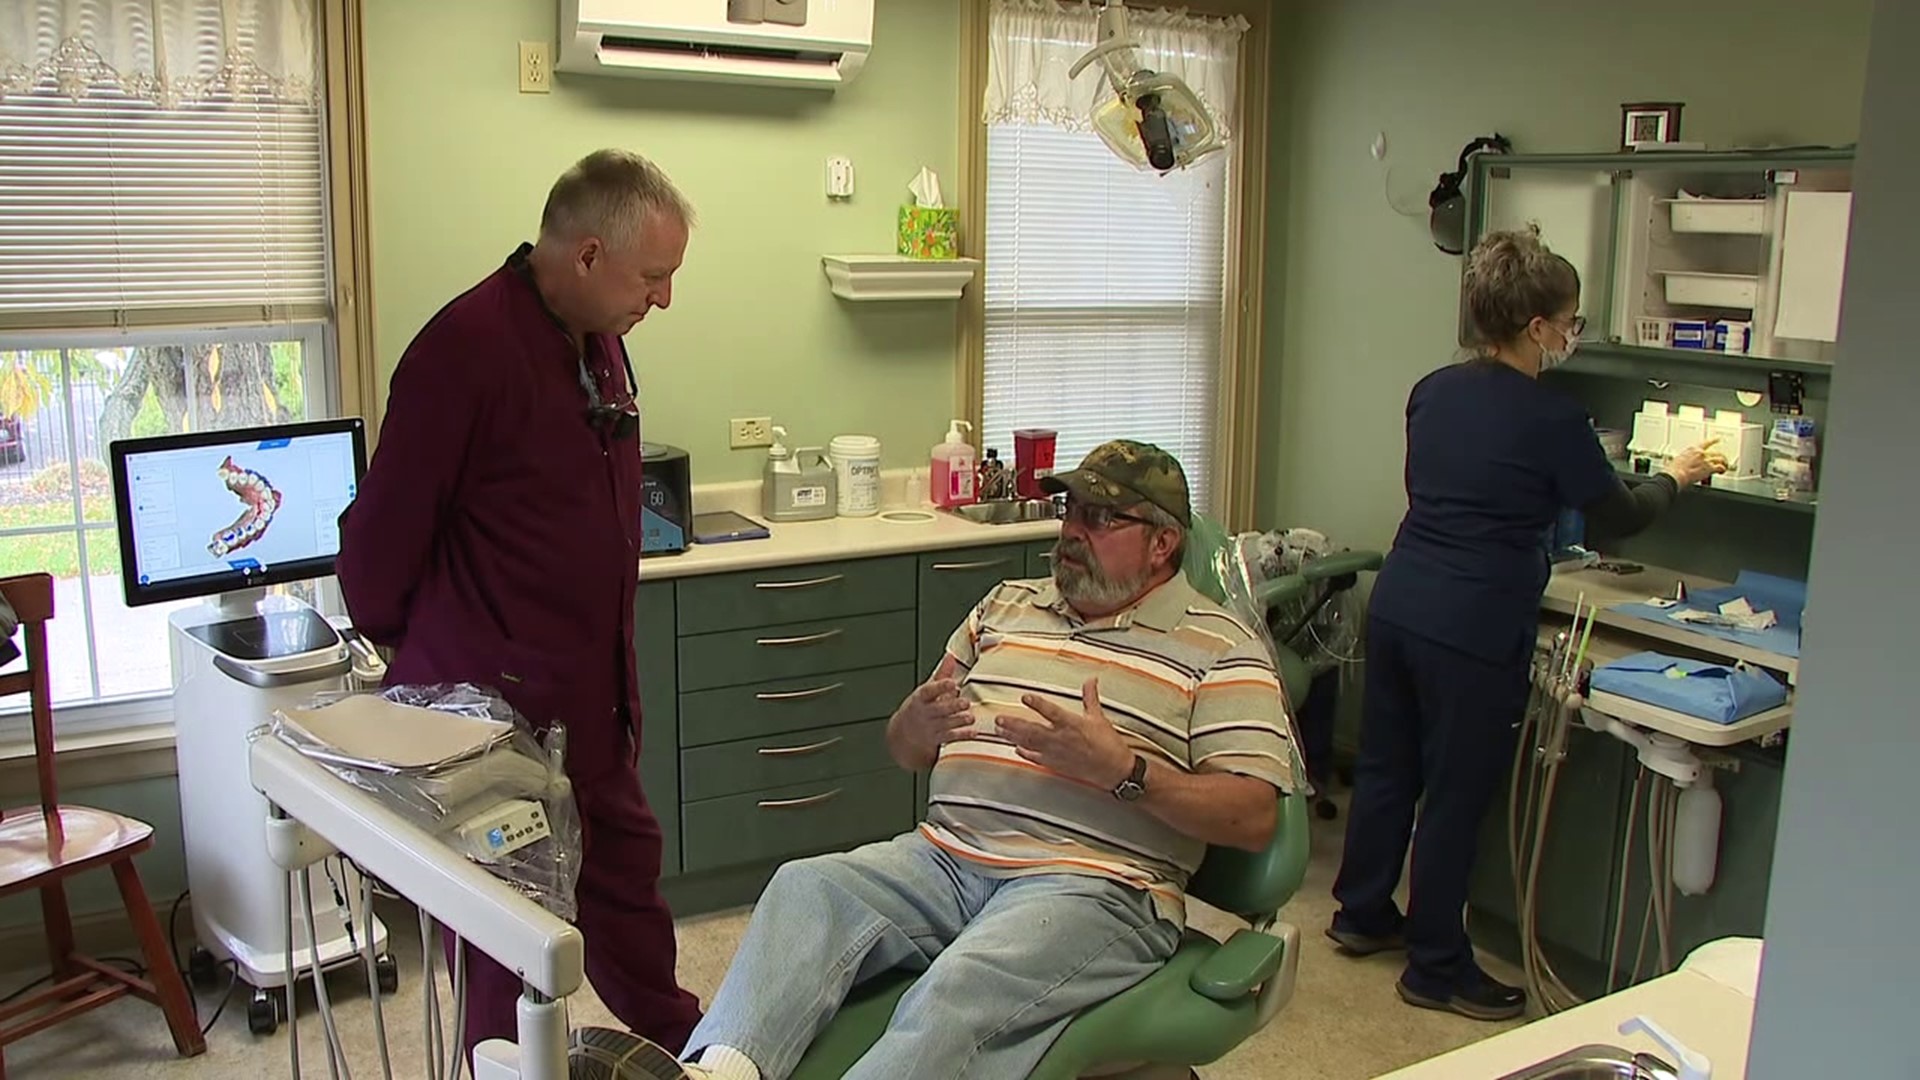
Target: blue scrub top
{"points": [[1492, 457]]}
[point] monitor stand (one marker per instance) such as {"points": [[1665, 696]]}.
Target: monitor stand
{"points": [[239, 604]]}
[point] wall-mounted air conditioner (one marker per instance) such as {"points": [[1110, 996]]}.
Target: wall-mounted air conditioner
{"points": [[807, 43]]}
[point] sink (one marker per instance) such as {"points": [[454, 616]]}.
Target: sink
{"points": [[1597, 1062], [1007, 511]]}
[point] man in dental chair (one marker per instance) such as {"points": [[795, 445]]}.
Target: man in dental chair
{"points": [[1089, 736]]}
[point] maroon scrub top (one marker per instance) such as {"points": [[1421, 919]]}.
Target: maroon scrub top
{"points": [[496, 536]]}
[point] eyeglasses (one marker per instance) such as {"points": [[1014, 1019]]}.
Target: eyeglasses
{"points": [[615, 421], [618, 421], [1101, 518], [1579, 325]]}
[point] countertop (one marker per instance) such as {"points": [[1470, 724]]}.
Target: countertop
{"points": [[1567, 587], [1707, 1005], [797, 542]]}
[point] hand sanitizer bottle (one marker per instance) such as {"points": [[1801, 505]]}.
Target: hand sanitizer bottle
{"points": [[950, 472]]}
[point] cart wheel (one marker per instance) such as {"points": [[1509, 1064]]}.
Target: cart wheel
{"points": [[387, 970], [1326, 809], [203, 968], [263, 1015]]}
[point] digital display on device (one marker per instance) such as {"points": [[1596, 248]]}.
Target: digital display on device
{"points": [[212, 512]]}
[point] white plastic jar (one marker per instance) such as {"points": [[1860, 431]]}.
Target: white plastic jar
{"points": [[856, 464]]}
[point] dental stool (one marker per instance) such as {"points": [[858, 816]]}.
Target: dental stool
{"points": [[1210, 996]]}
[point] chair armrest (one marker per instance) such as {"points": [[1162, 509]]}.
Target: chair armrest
{"points": [[1238, 967], [1341, 564]]}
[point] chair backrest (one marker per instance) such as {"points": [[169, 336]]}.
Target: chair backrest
{"points": [[31, 597]]}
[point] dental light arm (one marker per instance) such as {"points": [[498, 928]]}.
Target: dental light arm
{"points": [[1153, 120]]}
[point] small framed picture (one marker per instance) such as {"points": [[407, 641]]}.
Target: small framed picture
{"points": [[1649, 122]]}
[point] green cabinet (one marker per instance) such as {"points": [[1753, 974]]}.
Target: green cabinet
{"points": [[801, 819], [951, 585], [1040, 559], [795, 649], [1577, 874], [653, 643], [766, 696], [792, 594]]}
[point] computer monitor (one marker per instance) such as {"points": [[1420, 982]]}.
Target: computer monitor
{"points": [[225, 511]]}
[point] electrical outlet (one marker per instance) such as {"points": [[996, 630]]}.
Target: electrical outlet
{"points": [[751, 432], [536, 68]]}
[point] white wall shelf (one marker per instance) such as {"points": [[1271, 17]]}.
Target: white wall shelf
{"points": [[897, 277]]}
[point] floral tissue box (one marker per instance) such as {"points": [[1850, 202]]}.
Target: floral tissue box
{"points": [[928, 232]]}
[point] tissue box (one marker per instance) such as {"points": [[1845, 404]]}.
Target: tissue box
{"points": [[929, 232]]}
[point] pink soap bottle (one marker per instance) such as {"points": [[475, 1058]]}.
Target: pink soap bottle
{"points": [[950, 473]]}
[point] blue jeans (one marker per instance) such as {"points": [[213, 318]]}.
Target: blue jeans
{"points": [[1008, 962]]}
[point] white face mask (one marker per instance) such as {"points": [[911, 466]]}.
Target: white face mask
{"points": [[1550, 358]]}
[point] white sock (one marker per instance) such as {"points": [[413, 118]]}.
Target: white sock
{"points": [[726, 1063]]}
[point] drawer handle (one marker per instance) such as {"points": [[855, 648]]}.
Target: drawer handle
{"points": [[789, 804], [987, 565], [807, 584], [795, 751], [804, 639], [796, 695], [1047, 555]]}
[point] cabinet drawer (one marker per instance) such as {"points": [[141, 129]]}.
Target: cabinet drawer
{"points": [[799, 819], [792, 651], [789, 705], [1040, 559], [795, 594], [708, 772]]}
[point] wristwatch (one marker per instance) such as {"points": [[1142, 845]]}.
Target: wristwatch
{"points": [[1135, 785]]}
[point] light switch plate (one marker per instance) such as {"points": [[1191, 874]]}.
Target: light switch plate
{"points": [[536, 68], [745, 434]]}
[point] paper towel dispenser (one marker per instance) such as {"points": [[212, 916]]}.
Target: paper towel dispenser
{"points": [[811, 44]]}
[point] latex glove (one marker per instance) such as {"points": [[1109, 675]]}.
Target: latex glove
{"points": [[1696, 463]]}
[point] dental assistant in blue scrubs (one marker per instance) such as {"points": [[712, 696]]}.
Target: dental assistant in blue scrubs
{"points": [[1492, 457]]}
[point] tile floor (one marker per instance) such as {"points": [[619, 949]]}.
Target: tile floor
{"points": [[1344, 1023]]}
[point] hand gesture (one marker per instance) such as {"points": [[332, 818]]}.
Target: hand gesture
{"points": [[933, 715], [1078, 743], [1696, 463]]}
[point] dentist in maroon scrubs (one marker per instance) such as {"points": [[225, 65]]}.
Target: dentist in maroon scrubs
{"points": [[496, 540]]}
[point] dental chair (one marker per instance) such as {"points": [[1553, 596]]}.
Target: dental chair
{"points": [[1210, 996]]}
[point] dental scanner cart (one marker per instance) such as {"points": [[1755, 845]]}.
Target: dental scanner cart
{"points": [[222, 515]]}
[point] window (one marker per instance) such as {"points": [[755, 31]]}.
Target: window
{"points": [[1106, 307], [165, 266]]}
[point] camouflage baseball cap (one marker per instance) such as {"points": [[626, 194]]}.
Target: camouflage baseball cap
{"points": [[1125, 473]]}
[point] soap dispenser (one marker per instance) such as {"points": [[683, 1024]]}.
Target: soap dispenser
{"points": [[799, 485], [950, 474], [781, 472]]}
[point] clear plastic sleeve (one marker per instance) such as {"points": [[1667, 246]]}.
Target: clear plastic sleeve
{"points": [[501, 796]]}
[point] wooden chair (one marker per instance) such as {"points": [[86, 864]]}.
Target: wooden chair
{"points": [[41, 847]]}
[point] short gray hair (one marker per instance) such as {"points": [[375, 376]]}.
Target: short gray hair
{"points": [[1160, 519], [609, 194]]}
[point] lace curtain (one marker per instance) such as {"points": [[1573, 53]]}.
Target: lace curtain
{"points": [[169, 52], [1032, 43]]}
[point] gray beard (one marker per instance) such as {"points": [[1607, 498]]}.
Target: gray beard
{"points": [[1090, 586]]}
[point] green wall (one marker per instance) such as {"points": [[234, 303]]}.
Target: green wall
{"points": [[461, 162], [1368, 303]]}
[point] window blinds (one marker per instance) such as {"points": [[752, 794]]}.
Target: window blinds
{"points": [[116, 210], [1104, 297]]}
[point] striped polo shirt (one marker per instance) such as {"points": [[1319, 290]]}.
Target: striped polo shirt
{"points": [[1184, 682]]}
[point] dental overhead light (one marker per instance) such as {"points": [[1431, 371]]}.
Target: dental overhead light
{"points": [[1153, 121]]}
